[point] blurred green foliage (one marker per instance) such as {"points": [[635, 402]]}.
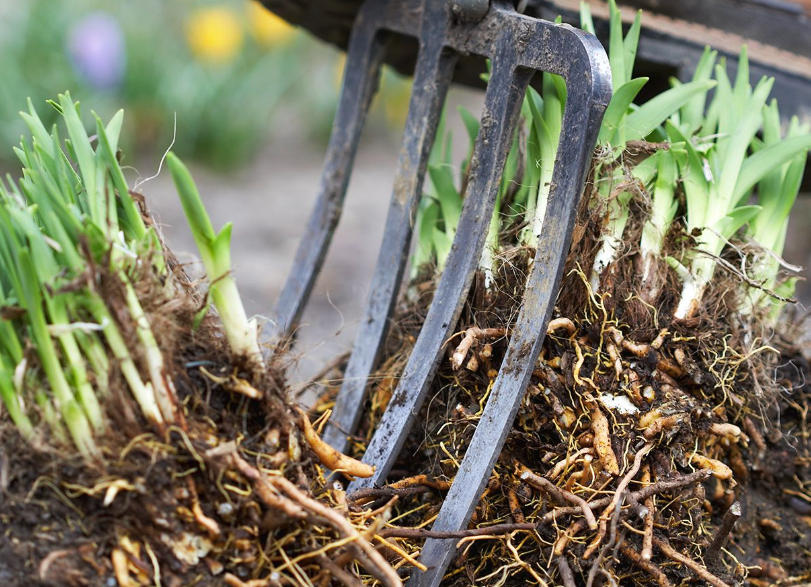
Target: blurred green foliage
{"points": [[226, 68]]}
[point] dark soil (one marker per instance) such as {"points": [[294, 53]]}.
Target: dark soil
{"points": [[61, 520], [706, 373], [57, 531]]}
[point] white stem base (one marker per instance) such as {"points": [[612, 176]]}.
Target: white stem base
{"points": [[486, 265], [242, 333], [608, 250], [691, 293]]}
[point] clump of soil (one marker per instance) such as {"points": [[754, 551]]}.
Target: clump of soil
{"points": [[646, 450], [228, 495]]}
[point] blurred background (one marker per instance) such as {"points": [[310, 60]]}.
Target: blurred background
{"points": [[248, 101]]}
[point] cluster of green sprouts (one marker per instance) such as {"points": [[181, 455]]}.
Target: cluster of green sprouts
{"points": [[707, 150], [724, 161], [68, 228]]}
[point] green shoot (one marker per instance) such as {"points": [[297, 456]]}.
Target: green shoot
{"points": [[663, 211], [623, 122], [546, 121], [45, 270], [776, 193], [31, 298], [719, 178], [14, 402], [63, 230], [215, 251]]}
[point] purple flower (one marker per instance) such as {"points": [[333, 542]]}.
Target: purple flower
{"points": [[96, 47]]}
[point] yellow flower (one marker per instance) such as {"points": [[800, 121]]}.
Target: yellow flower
{"points": [[266, 27], [395, 95], [214, 34], [338, 76]]}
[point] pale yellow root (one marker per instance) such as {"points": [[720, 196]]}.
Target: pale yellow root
{"points": [[719, 469], [421, 480], [331, 458], [121, 568], [234, 581], [655, 427], [602, 441], [726, 430], [558, 469]]}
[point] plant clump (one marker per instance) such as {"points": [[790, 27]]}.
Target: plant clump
{"points": [[664, 434], [145, 439]]}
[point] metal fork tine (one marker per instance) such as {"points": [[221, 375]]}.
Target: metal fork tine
{"points": [[503, 99], [361, 76], [432, 77], [584, 109]]}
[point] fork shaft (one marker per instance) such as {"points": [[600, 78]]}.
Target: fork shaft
{"points": [[361, 76], [503, 98], [431, 80]]}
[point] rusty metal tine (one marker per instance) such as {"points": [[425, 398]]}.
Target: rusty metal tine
{"points": [[503, 99], [361, 75], [431, 80], [588, 96]]}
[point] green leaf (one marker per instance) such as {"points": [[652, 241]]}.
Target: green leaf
{"points": [[471, 123], [737, 143], [436, 153], [447, 155], [85, 157], [450, 201], [200, 315], [113, 129], [653, 113], [510, 168], [696, 187], [631, 42], [692, 114], [664, 190], [618, 107], [442, 244], [38, 130], [561, 90], [428, 223], [586, 22], [730, 224], [766, 160], [616, 47], [196, 214], [133, 223], [221, 250], [769, 186], [791, 187], [472, 126], [742, 90], [646, 169]]}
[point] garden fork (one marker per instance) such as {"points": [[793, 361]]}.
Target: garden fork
{"points": [[517, 46]]}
